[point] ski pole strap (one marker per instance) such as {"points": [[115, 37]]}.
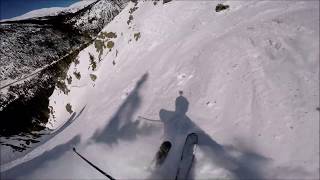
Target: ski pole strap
{"points": [[94, 166]]}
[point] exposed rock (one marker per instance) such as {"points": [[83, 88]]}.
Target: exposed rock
{"points": [[35, 55], [221, 7]]}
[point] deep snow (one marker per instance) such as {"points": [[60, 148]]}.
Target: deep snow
{"points": [[249, 75]]}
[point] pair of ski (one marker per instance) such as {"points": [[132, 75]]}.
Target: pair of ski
{"points": [[187, 155], [186, 159]]}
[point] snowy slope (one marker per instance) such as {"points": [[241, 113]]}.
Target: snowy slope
{"points": [[250, 76]]}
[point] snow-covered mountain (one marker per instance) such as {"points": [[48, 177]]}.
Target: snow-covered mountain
{"points": [[36, 52], [246, 78], [53, 11]]}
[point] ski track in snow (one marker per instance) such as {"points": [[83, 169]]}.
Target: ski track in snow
{"points": [[250, 76]]}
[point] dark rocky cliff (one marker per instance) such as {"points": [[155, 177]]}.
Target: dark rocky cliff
{"points": [[35, 54]]}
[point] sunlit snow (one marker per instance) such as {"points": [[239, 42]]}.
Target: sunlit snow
{"points": [[248, 74]]}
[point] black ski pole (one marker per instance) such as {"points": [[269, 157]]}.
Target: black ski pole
{"points": [[94, 166], [153, 120]]}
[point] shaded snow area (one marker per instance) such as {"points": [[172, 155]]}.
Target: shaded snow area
{"points": [[244, 79]]}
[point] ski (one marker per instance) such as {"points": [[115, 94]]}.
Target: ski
{"points": [[187, 156], [94, 166], [160, 156], [163, 153]]}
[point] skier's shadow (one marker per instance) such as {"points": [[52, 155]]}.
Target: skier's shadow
{"points": [[177, 126], [32, 167], [122, 125]]}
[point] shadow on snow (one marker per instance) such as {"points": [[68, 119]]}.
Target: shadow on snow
{"points": [[122, 125], [177, 126], [41, 161]]}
